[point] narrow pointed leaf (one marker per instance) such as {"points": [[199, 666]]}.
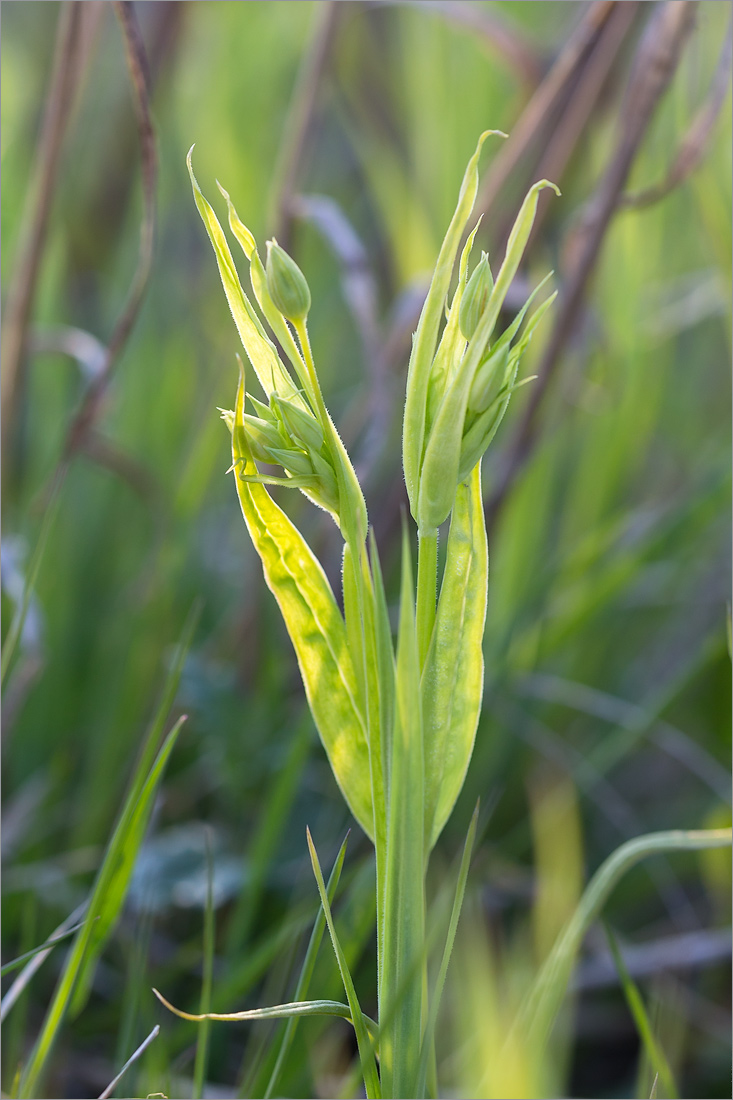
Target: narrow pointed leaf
{"points": [[127, 833], [635, 1001], [306, 971], [366, 1051], [259, 348]]}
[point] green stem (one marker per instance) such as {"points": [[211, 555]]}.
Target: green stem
{"points": [[427, 590]]}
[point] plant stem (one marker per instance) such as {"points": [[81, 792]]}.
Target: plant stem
{"points": [[427, 588]]}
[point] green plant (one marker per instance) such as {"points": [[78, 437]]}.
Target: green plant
{"points": [[397, 723]]}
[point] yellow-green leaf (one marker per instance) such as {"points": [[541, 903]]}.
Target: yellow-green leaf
{"points": [[452, 681], [316, 627]]}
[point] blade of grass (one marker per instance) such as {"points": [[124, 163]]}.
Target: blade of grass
{"points": [[47, 946], [635, 1001], [133, 1058], [16, 626], [117, 886], [306, 972], [543, 1002], [366, 1051], [428, 1044], [34, 965], [202, 1045], [272, 1012], [103, 903]]}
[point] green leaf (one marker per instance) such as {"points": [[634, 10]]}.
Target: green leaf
{"points": [[259, 348], [298, 583], [635, 1001], [423, 348], [366, 1050], [452, 681]]}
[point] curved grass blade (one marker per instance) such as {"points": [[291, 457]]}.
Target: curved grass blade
{"points": [[452, 681], [273, 1012], [296, 579], [361, 1027], [545, 998], [128, 834]]}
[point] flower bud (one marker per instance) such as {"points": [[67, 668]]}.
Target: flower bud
{"points": [[303, 427], [488, 379], [475, 297], [287, 284]]}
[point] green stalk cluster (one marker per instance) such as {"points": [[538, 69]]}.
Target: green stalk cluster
{"points": [[397, 722]]}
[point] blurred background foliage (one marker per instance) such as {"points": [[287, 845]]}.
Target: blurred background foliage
{"points": [[345, 128]]}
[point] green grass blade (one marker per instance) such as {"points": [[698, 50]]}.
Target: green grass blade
{"points": [[47, 946], [316, 627], [13, 993], [366, 1050], [306, 971], [119, 877], [635, 1001], [545, 998], [16, 626], [452, 681], [403, 963], [127, 834], [202, 1044], [428, 1044]]}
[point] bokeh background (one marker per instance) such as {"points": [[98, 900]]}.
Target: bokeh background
{"points": [[344, 128]]}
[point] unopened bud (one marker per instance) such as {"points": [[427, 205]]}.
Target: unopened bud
{"points": [[303, 427], [287, 284], [475, 297]]}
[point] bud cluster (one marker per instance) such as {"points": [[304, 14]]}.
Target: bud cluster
{"points": [[459, 385], [286, 434]]}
